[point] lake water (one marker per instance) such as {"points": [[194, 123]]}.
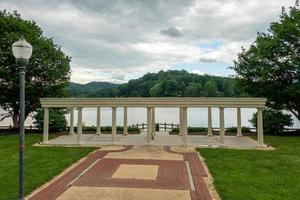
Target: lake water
{"points": [[196, 116]]}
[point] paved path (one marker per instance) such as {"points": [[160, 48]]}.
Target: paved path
{"points": [[132, 173]]}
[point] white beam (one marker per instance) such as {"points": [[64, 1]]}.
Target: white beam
{"points": [[114, 126], [79, 126], [149, 126], [153, 122], [184, 125], [239, 122], [260, 129], [46, 126], [222, 127], [209, 129], [98, 132], [71, 132], [156, 102], [125, 132]]}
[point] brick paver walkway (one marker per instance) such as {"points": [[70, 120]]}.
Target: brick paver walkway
{"points": [[97, 171]]}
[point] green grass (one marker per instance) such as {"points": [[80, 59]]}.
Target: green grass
{"points": [[259, 175], [42, 163]]}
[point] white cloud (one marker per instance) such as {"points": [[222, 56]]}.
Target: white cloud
{"points": [[119, 40], [197, 71]]}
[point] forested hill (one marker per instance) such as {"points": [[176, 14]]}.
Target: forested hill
{"points": [[162, 84], [93, 89]]}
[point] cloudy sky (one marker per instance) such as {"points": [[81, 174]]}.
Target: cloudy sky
{"points": [[118, 40]]}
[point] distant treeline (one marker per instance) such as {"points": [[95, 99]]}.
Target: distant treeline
{"points": [[170, 83]]}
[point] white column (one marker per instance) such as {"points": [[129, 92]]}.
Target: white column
{"points": [[125, 132], [184, 125], [71, 132], [209, 129], [98, 121], [153, 122], [149, 126], [79, 126], [260, 129], [222, 128], [180, 122], [46, 125], [239, 122], [114, 126]]}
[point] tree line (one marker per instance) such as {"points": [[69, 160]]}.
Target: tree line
{"points": [[171, 83]]}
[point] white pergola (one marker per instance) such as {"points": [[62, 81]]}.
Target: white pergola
{"points": [[151, 103]]}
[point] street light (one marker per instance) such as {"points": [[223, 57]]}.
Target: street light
{"points": [[22, 51]]}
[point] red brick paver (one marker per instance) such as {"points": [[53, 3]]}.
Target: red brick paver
{"points": [[198, 174], [61, 184], [172, 174]]}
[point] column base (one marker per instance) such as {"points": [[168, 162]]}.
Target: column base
{"points": [[72, 133], [210, 135], [125, 133], [261, 146], [98, 133], [239, 135]]}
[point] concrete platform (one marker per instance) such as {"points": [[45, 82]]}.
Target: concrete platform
{"points": [[161, 138]]}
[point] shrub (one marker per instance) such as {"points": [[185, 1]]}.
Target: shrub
{"points": [[57, 120], [197, 129], [234, 129], [108, 129], [191, 129], [274, 121]]}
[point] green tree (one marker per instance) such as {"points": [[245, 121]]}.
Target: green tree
{"points": [[156, 90], [274, 121], [57, 120], [47, 73], [271, 66], [211, 89]]}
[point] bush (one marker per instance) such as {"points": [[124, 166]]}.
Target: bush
{"points": [[57, 120], [191, 129], [274, 121], [234, 130], [108, 129]]}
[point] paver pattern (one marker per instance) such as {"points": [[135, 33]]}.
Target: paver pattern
{"points": [[97, 176]]}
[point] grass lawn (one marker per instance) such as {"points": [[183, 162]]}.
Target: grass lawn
{"points": [[42, 163], [259, 175]]}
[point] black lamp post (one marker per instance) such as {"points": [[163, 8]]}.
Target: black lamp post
{"points": [[22, 51]]}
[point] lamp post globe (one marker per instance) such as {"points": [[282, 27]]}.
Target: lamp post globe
{"points": [[22, 51]]}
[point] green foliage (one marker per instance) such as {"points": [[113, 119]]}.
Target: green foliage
{"points": [[93, 89], [211, 89], [191, 129], [108, 129], [42, 163], [57, 120], [273, 121], [234, 129], [47, 73], [259, 175], [170, 83], [271, 66]]}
